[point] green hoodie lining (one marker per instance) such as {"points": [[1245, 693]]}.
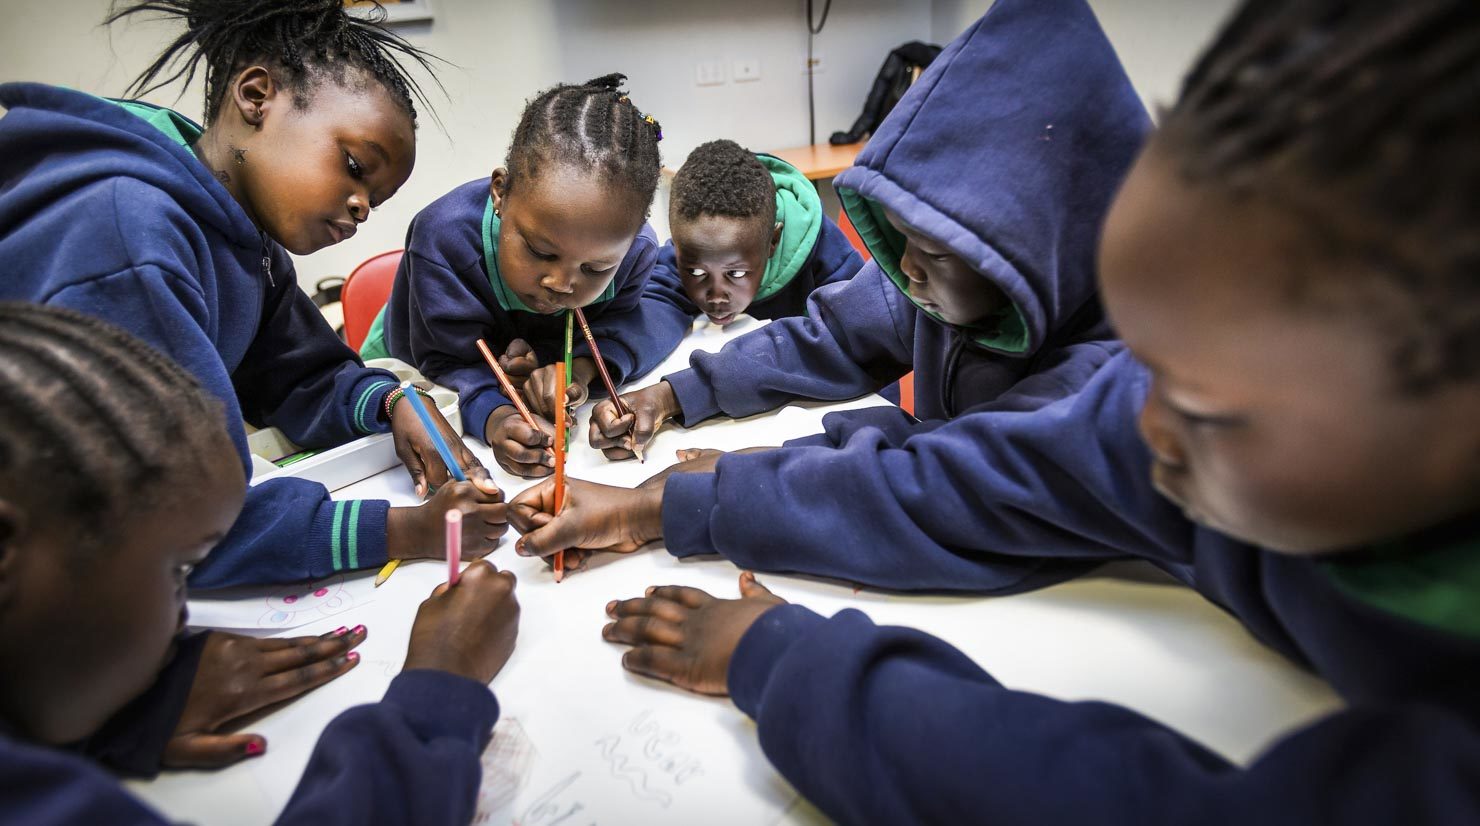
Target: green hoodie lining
{"points": [[175, 126], [799, 210], [1439, 588], [1007, 332]]}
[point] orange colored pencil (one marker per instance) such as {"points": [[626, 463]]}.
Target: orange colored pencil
{"points": [[559, 458], [508, 386]]}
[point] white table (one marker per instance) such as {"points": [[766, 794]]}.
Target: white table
{"points": [[582, 741]]}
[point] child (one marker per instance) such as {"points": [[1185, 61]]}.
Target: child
{"points": [[133, 213], [1039, 194], [749, 236], [979, 198], [560, 225], [1292, 266], [102, 516]]}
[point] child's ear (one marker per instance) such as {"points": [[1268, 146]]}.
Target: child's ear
{"points": [[776, 237], [12, 528], [252, 93], [498, 184]]}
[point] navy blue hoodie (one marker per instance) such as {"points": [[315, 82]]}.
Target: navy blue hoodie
{"points": [[107, 212], [946, 743], [448, 294], [413, 757], [1007, 151], [803, 265]]}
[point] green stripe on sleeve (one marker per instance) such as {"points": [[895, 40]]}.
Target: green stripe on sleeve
{"points": [[354, 534], [360, 422], [337, 559]]}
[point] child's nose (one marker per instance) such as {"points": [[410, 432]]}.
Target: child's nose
{"points": [[909, 264], [359, 208], [557, 281]]}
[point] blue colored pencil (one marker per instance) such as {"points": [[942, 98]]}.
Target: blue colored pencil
{"points": [[433, 431]]}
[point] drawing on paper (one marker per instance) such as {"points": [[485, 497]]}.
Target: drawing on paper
{"points": [[506, 766], [305, 603], [647, 757]]}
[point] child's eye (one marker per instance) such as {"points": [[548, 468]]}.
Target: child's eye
{"points": [[355, 170], [184, 569], [941, 257], [697, 273], [543, 256], [590, 270], [736, 274]]}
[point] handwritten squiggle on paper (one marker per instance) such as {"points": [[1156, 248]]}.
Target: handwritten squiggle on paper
{"points": [[635, 777]]}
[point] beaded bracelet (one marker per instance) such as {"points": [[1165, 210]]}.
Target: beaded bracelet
{"points": [[395, 395]]}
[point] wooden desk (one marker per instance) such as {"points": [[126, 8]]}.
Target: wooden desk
{"points": [[820, 160], [817, 162]]}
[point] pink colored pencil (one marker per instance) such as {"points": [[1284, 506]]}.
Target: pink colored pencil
{"points": [[454, 545]]}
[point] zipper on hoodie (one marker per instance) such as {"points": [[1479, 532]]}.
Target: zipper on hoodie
{"points": [[953, 358], [267, 261]]}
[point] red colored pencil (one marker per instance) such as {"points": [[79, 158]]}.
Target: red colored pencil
{"points": [[606, 378], [454, 545]]}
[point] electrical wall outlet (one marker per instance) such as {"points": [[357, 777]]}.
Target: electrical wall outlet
{"points": [[746, 70], [709, 73]]}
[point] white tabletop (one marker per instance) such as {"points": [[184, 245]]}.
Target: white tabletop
{"points": [[582, 741]]}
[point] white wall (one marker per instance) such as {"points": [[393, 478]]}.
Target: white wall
{"points": [[1157, 40], [505, 51]]}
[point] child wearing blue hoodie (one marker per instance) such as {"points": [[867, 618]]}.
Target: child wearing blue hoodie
{"points": [[136, 214], [979, 199], [101, 518], [984, 187], [1292, 433], [749, 236], [561, 225]]}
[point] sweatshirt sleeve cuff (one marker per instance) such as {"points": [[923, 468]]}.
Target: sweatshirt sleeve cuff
{"points": [[438, 704], [620, 362], [349, 534], [688, 499], [133, 741], [368, 402], [477, 408], [696, 399], [761, 648]]}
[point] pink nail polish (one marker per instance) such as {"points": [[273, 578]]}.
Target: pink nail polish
{"points": [[359, 629], [340, 631], [353, 656], [254, 748]]}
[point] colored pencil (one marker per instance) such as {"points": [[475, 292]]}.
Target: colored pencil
{"points": [[559, 460], [454, 544], [508, 386], [442, 448], [570, 366], [606, 377]]}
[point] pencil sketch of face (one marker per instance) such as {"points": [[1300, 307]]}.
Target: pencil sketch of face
{"points": [[326, 598]]}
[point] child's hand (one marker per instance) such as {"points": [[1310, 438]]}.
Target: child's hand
{"points": [[684, 636], [417, 452], [539, 391], [518, 362], [616, 435], [468, 629], [420, 532], [595, 517], [520, 449], [242, 675]]}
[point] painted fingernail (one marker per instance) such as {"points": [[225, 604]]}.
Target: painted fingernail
{"points": [[359, 629], [254, 748], [353, 656], [340, 631]]}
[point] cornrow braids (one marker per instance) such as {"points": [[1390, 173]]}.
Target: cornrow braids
{"points": [[592, 126], [724, 178], [308, 41], [94, 418], [1361, 119]]}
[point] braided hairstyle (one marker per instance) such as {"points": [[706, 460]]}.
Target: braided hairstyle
{"points": [[724, 178], [93, 421], [1361, 118], [592, 126], [307, 41]]}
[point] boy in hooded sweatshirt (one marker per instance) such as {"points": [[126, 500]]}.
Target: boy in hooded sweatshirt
{"points": [[997, 187], [979, 199]]}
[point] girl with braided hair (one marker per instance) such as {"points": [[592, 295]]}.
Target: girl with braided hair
{"points": [[561, 225], [1294, 265], [100, 524], [181, 233]]}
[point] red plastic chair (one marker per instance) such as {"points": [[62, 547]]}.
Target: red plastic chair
{"points": [[366, 290]]}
